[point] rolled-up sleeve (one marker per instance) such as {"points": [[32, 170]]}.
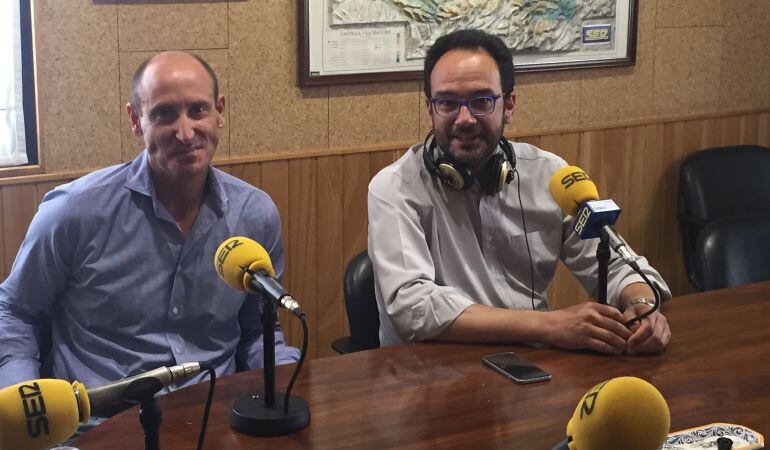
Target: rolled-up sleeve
{"points": [[405, 275], [580, 257]]}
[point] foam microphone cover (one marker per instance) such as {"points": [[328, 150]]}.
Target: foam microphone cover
{"points": [[570, 187], [622, 413], [38, 414], [235, 255]]}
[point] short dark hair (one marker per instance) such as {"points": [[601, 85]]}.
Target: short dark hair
{"points": [[136, 79], [472, 40]]}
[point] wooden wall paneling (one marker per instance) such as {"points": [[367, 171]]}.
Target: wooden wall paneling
{"points": [[712, 133], [731, 130], [749, 129], [656, 171], [590, 160], [45, 187], [637, 187], [302, 261], [565, 290], [19, 203], [249, 172], [590, 155], [641, 193], [380, 160], [329, 247], [566, 145], [532, 140], [764, 130], [275, 183], [615, 175], [679, 138], [354, 227], [356, 178]]}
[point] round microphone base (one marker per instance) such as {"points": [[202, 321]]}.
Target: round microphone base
{"points": [[250, 415]]}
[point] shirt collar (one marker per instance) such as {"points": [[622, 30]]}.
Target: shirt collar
{"points": [[140, 181]]}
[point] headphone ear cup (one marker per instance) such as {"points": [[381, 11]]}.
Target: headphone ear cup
{"points": [[495, 174], [458, 178], [506, 175], [510, 157]]}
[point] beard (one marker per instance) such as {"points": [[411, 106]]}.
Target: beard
{"points": [[470, 147]]}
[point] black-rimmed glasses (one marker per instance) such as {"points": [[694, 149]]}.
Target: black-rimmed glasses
{"points": [[478, 106]]}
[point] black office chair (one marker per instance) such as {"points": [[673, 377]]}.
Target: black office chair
{"points": [[361, 306], [716, 183], [734, 251]]}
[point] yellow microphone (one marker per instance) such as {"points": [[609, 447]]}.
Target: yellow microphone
{"points": [[245, 265], [621, 413], [570, 187], [577, 196], [238, 258], [37, 414], [41, 413]]}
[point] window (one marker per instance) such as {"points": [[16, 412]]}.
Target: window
{"points": [[18, 140]]}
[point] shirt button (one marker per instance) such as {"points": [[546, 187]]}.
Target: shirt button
{"points": [[179, 350], [174, 310]]}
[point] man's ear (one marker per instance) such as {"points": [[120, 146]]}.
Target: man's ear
{"points": [[509, 103], [134, 119], [220, 107]]}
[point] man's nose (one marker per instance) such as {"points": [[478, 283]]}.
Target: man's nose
{"points": [[185, 129], [464, 116]]}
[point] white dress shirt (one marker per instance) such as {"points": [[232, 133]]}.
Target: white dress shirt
{"points": [[437, 250]]}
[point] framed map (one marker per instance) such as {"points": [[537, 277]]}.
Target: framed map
{"points": [[348, 41]]}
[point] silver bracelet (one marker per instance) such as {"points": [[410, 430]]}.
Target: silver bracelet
{"points": [[636, 301]]}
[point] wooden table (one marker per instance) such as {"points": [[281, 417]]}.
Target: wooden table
{"points": [[432, 395]]}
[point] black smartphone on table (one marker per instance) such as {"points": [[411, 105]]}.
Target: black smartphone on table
{"points": [[515, 368]]}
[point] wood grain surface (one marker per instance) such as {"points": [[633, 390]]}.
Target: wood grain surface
{"points": [[436, 395]]}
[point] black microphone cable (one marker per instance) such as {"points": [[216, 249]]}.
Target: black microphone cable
{"points": [[303, 353], [212, 385], [655, 292], [300, 314], [526, 240]]}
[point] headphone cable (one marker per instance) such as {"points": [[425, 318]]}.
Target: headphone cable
{"points": [[526, 238]]}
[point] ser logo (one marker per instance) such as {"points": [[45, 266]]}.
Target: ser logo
{"points": [[582, 220], [223, 254], [34, 409], [589, 400], [597, 34], [572, 178]]}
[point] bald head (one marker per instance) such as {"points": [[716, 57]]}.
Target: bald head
{"points": [[162, 61]]}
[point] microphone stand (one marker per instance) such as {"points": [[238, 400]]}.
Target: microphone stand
{"points": [[603, 258], [262, 416], [143, 391], [149, 417]]}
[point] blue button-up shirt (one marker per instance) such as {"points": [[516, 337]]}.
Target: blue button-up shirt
{"points": [[122, 290]]}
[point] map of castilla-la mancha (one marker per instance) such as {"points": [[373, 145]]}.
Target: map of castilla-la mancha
{"points": [[526, 26]]}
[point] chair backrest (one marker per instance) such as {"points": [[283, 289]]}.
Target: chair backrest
{"points": [[716, 183], [361, 303], [734, 251]]}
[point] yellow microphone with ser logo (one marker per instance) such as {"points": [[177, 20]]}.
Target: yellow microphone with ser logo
{"points": [[621, 413]]}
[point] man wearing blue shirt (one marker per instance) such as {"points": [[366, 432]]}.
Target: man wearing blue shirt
{"points": [[118, 265]]}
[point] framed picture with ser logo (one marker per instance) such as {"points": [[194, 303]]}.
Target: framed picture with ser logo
{"points": [[349, 41]]}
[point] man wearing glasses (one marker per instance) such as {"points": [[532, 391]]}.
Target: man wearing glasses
{"points": [[465, 237]]}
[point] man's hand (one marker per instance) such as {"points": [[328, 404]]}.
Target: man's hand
{"points": [[589, 326], [651, 334]]}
